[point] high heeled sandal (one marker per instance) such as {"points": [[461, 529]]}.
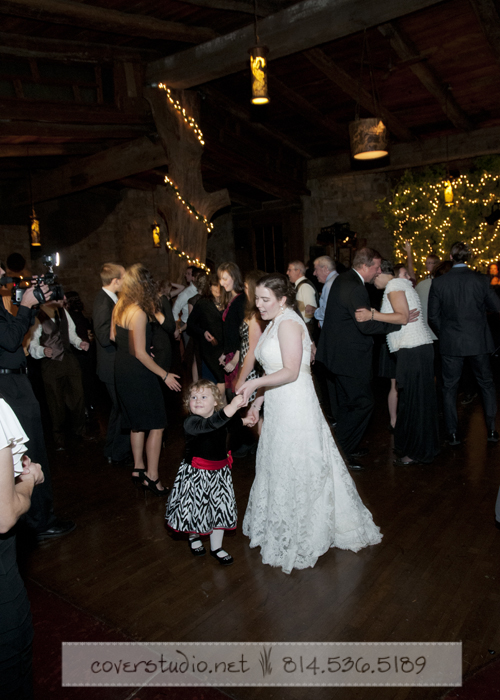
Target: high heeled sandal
{"points": [[226, 560], [137, 480], [199, 550], [151, 486]]}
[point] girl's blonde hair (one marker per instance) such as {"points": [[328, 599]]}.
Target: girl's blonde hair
{"points": [[204, 384]]}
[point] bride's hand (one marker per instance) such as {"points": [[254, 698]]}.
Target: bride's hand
{"points": [[363, 315], [247, 389]]}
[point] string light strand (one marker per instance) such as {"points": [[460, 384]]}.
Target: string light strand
{"points": [[190, 208], [185, 256], [190, 121]]}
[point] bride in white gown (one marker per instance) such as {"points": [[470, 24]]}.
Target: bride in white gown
{"points": [[303, 500]]}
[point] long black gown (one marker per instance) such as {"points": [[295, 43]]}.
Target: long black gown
{"points": [[138, 389]]}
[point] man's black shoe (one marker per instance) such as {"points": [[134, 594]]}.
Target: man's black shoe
{"points": [[58, 529], [492, 436], [453, 440], [354, 467], [361, 452], [125, 462]]}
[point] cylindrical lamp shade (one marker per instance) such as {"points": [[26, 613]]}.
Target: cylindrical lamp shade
{"points": [[35, 230], [448, 193], [368, 139], [155, 230], [258, 69]]}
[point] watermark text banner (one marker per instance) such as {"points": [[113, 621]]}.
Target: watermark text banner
{"points": [[223, 664]]}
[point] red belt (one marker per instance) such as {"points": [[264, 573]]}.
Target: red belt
{"points": [[200, 463]]}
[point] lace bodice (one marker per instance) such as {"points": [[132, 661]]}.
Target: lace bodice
{"points": [[268, 351], [413, 334]]}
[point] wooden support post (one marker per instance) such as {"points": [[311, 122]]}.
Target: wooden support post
{"points": [[184, 151]]}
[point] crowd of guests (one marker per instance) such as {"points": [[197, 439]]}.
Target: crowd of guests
{"points": [[272, 344]]}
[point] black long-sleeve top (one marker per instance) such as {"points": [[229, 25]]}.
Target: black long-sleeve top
{"points": [[12, 331], [232, 323], [206, 437]]}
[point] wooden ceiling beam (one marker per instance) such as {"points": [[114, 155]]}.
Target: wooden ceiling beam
{"points": [[72, 132], [115, 163], [299, 27], [77, 113], [489, 19], [242, 113], [39, 47], [442, 149], [300, 105], [351, 87], [427, 76], [36, 150], [263, 8], [104, 19]]}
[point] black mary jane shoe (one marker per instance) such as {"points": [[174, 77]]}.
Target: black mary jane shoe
{"points": [[199, 550], [226, 560], [150, 485]]}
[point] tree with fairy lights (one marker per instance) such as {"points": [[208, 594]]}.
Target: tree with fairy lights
{"points": [[433, 210]]}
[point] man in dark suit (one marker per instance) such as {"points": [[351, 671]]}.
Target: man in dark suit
{"points": [[458, 302], [345, 348], [117, 448]]}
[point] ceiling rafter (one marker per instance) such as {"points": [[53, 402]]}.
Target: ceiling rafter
{"points": [[299, 27], [406, 50], [104, 19], [351, 87], [242, 113], [301, 106], [489, 19]]}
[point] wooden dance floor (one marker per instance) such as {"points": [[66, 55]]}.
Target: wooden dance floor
{"points": [[435, 577]]}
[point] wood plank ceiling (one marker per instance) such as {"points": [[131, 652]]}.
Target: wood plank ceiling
{"points": [[72, 74]]}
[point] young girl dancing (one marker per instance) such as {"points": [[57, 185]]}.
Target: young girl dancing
{"points": [[202, 498]]}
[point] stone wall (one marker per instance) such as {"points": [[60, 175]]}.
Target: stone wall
{"points": [[105, 225], [348, 198]]}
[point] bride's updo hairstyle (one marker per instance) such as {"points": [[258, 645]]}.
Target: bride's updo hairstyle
{"points": [[280, 286]]}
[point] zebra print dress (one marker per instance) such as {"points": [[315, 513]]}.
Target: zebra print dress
{"points": [[203, 499]]}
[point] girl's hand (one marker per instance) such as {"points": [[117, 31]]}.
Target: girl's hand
{"points": [[247, 389], [363, 315], [230, 367], [208, 336], [222, 360], [172, 383], [234, 406]]}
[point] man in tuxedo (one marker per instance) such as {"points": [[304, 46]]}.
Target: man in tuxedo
{"points": [[346, 347], [458, 302], [117, 447]]}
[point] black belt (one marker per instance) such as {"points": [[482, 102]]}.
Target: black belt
{"points": [[21, 370]]}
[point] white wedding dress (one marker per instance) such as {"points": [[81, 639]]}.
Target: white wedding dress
{"points": [[303, 500]]}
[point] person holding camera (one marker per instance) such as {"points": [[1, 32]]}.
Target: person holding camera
{"points": [[54, 334], [16, 389]]}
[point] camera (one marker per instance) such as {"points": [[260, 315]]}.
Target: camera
{"points": [[19, 286]]}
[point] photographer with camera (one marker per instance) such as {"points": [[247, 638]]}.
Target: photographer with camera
{"points": [[16, 389]]}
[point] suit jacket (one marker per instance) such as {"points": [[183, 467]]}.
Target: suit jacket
{"points": [[106, 349], [458, 302], [345, 346]]}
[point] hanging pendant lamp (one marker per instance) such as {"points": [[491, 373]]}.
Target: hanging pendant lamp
{"points": [[34, 229], [368, 137], [258, 69]]}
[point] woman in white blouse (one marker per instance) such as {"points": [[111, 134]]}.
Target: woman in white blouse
{"points": [[416, 435]]}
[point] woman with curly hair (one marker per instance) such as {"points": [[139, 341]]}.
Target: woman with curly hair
{"points": [[138, 389]]}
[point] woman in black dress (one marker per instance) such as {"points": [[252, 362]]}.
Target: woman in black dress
{"points": [[137, 375], [234, 313], [205, 323], [18, 477]]}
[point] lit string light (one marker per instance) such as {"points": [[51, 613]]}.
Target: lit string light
{"points": [[187, 258], [422, 208], [190, 121], [190, 208]]}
